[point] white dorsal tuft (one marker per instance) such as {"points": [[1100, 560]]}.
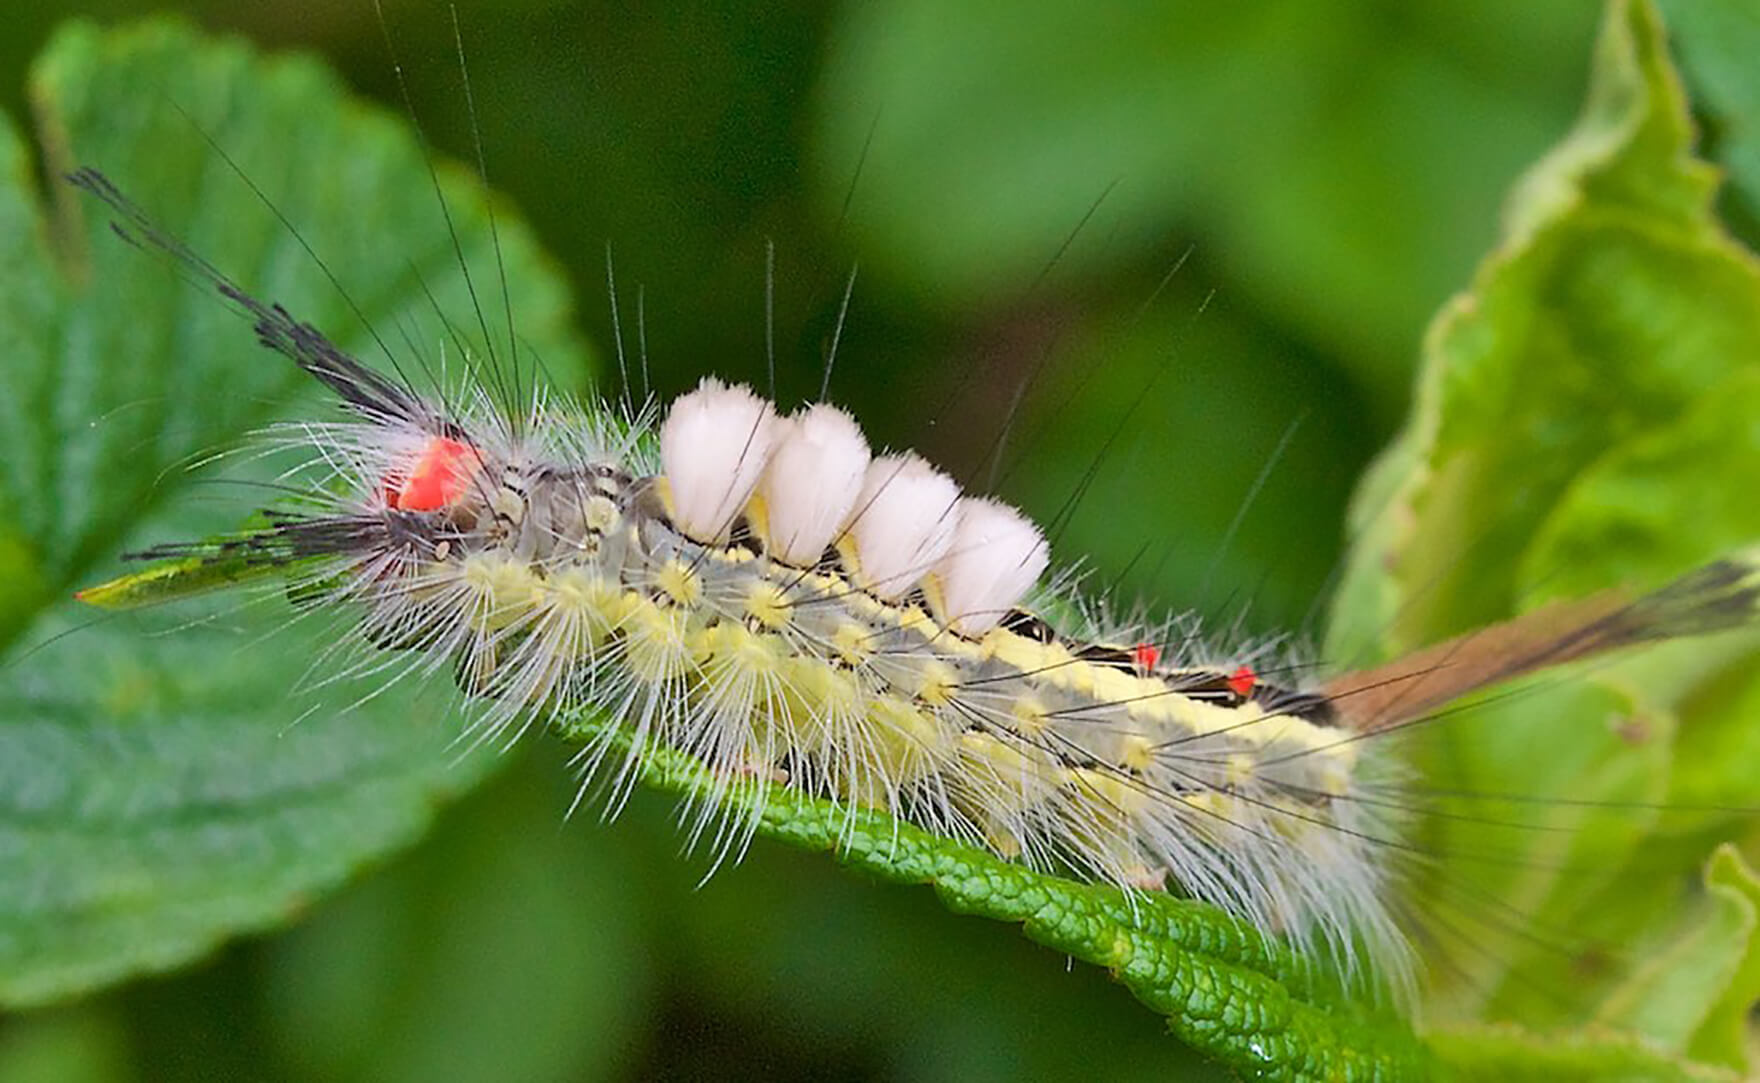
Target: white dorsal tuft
{"points": [[996, 557], [904, 522], [811, 484], [714, 445]]}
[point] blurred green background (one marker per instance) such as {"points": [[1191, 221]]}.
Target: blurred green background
{"points": [[1156, 242]]}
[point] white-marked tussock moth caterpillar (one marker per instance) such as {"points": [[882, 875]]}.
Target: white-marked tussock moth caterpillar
{"points": [[550, 559], [764, 594]]}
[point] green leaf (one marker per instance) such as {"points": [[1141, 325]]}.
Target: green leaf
{"points": [[491, 957], [1717, 41], [1615, 303], [165, 787], [1509, 1054], [1694, 995], [1235, 995], [1584, 420]]}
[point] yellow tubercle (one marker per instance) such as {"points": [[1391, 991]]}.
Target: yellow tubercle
{"points": [[587, 601], [854, 643], [937, 683], [679, 582], [1029, 713], [1136, 752], [738, 647], [506, 589], [907, 740], [812, 702], [655, 647], [704, 642], [768, 605], [1121, 796], [1016, 767]]}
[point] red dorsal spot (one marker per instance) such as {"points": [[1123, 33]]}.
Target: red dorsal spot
{"points": [[1146, 656], [1242, 680], [440, 476]]}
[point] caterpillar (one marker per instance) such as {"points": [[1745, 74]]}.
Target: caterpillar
{"points": [[765, 593]]}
